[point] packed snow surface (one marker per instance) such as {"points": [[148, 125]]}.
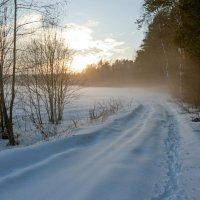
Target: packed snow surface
{"points": [[150, 152]]}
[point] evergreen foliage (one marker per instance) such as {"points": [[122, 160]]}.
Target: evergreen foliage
{"points": [[171, 48]]}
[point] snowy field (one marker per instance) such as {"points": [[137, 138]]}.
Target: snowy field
{"points": [[148, 151]]}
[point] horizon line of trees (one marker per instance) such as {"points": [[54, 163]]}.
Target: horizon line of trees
{"points": [[120, 72], [107, 73]]}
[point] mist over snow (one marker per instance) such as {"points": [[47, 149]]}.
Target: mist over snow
{"points": [[148, 150]]}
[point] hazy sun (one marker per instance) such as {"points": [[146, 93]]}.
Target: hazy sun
{"points": [[80, 62], [80, 38]]}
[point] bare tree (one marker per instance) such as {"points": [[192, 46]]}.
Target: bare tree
{"points": [[47, 77], [6, 42], [9, 39]]}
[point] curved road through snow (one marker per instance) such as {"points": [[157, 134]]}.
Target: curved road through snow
{"points": [[140, 156]]}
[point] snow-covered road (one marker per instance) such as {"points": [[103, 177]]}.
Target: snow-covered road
{"points": [[149, 153]]}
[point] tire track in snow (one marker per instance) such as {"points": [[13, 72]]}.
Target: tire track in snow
{"points": [[120, 153], [96, 179], [171, 188], [138, 125], [135, 118]]}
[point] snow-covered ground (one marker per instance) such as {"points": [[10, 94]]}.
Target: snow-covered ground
{"points": [[149, 152]]}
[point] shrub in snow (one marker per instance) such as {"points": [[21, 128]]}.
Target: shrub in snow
{"points": [[101, 110]]}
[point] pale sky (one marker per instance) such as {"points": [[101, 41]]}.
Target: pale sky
{"points": [[103, 29], [99, 29]]}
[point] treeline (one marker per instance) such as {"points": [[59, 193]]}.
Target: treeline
{"points": [[118, 73], [106, 73], [171, 48]]}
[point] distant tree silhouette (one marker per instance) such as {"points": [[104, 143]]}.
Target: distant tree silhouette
{"points": [[105, 73]]}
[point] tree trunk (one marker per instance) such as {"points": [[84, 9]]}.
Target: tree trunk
{"points": [[2, 118], [181, 58], [9, 122], [166, 68]]}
